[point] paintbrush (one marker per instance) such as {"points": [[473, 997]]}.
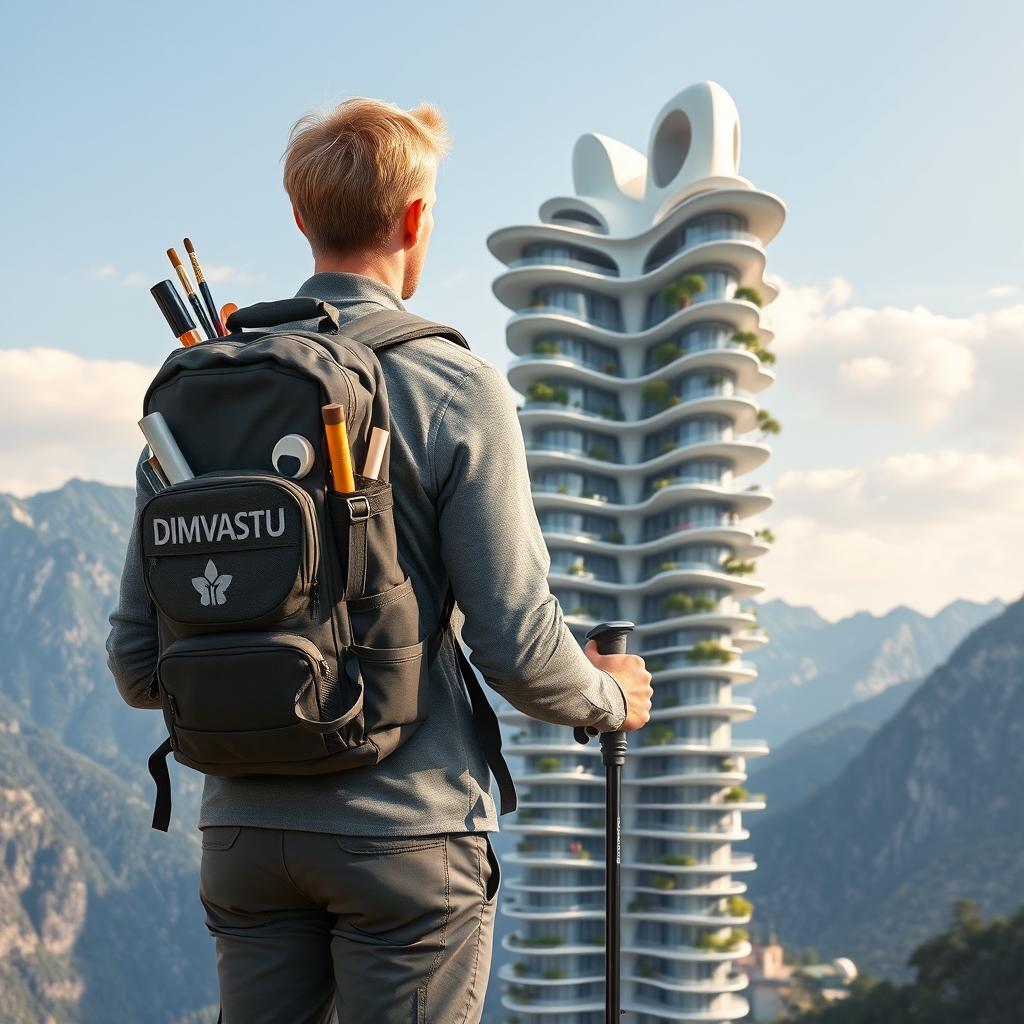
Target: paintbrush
{"points": [[204, 289], [204, 320]]}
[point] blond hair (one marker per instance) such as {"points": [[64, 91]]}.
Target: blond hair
{"points": [[350, 171]]}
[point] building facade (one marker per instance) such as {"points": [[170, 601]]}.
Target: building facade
{"points": [[641, 351]]}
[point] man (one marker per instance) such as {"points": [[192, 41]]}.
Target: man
{"points": [[374, 889]]}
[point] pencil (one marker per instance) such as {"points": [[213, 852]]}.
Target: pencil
{"points": [[338, 450], [201, 316], [204, 289]]}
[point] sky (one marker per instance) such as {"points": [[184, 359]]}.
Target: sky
{"points": [[892, 133]]}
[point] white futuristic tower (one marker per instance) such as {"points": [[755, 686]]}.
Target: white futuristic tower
{"points": [[641, 351]]}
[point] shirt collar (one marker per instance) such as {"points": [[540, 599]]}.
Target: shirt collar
{"points": [[344, 289]]}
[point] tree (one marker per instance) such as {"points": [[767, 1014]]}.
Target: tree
{"points": [[969, 973]]}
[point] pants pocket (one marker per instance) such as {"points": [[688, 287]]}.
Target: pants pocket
{"points": [[492, 884]]}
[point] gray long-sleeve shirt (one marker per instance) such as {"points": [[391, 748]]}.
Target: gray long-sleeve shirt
{"points": [[464, 512]]}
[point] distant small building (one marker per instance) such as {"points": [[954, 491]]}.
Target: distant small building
{"points": [[777, 988]]}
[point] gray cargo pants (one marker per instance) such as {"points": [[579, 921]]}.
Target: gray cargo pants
{"points": [[388, 931]]}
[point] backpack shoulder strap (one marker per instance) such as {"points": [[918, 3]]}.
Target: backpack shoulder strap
{"points": [[386, 327], [488, 729]]}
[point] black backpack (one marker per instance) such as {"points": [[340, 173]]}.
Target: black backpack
{"points": [[290, 640]]}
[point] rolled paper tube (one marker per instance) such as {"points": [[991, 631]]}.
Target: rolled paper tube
{"points": [[161, 442], [337, 448], [375, 453]]}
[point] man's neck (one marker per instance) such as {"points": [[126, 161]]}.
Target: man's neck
{"points": [[384, 271]]}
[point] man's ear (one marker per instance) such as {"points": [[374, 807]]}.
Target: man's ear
{"points": [[413, 221], [298, 220]]}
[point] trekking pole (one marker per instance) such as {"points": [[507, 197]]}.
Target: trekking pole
{"points": [[611, 638]]}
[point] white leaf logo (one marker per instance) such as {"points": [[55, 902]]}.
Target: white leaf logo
{"points": [[211, 586]]}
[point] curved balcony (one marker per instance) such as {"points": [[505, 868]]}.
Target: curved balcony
{"points": [[744, 257], [763, 213]]}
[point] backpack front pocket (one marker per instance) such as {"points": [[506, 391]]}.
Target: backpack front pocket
{"points": [[227, 550], [241, 703]]}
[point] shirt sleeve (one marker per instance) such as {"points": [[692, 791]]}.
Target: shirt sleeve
{"points": [[497, 560], [132, 641]]}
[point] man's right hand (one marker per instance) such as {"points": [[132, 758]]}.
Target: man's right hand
{"points": [[631, 674]]}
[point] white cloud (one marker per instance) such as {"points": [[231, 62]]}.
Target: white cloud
{"points": [[900, 365], [62, 416], [105, 272], [135, 280], [1001, 291], [226, 274]]}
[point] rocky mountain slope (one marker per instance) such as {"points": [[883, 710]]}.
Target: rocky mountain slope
{"points": [[99, 915], [814, 757], [929, 812]]}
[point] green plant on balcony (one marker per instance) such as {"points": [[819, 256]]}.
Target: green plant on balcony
{"points": [[727, 764], [737, 906], [519, 735], [735, 795], [563, 488], [659, 735], [667, 446], [615, 537], [548, 763], [663, 882], [519, 968], [525, 846], [599, 452], [636, 906], [735, 567], [660, 394], [554, 973], [713, 380], [749, 340], [664, 353], [540, 941], [655, 664], [677, 603], [661, 482], [746, 294], [596, 939], [610, 367], [679, 860], [722, 943], [645, 971], [680, 292], [753, 487], [520, 994], [765, 534], [527, 814], [595, 822], [611, 412], [538, 391], [545, 347], [704, 604], [709, 650], [576, 568], [767, 423]]}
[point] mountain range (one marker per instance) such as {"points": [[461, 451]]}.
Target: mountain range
{"points": [[811, 668], [99, 916], [927, 813]]}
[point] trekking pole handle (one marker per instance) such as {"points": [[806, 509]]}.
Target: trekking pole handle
{"points": [[611, 638]]}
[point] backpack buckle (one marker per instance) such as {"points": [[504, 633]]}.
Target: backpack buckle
{"points": [[353, 515]]}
